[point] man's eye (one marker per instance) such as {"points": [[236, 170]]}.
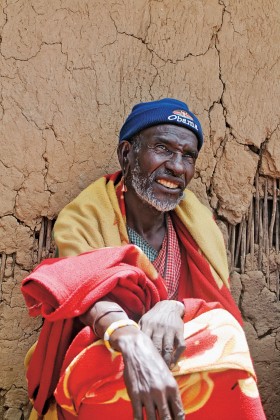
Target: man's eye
{"points": [[190, 156], [163, 149]]}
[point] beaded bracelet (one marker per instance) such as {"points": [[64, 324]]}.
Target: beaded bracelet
{"points": [[113, 327]]}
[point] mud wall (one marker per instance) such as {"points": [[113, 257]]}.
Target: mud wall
{"points": [[70, 72]]}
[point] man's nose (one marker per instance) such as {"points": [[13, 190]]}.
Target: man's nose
{"points": [[176, 164]]}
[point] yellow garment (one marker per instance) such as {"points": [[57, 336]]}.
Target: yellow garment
{"points": [[94, 220], [50, 415]]}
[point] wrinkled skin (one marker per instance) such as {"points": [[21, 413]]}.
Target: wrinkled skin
{"points": [[164, 325], [168, 153], [149, 382], [147, 355]]}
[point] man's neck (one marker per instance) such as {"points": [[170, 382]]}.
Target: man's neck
{"points": [[145, 219]]}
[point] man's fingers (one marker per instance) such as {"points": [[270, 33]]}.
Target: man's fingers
{"points": [[176, 408], [137, 407], [132, 387], [171, 408], [146, 329], [168, 348], [157, 341], [164, 412], [180, 347], [149, 408]]}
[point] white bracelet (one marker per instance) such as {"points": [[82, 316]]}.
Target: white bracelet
{"points": [[113, 327]]}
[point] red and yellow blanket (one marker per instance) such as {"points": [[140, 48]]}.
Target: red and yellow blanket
{"points": [[215, 374]]}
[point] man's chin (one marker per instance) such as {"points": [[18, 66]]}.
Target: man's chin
{"points": [[162, 205], [152, 195]]}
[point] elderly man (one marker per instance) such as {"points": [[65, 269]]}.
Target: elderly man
{"points": [[174, 334]]}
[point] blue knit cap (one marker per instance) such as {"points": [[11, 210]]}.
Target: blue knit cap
{"points": [[164, 111]]}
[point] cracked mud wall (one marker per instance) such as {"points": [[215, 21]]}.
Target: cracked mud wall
{"points": [[70, 72]]}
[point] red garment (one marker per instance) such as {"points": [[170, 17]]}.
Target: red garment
{"points": [[90, 378], [168, 261], [61, 289]]}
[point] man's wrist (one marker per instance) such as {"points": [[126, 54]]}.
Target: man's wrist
{"points": [[121, 338], [101, 315]]}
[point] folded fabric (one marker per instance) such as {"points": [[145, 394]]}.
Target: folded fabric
{"points": [[63, 288], [215, 375]]}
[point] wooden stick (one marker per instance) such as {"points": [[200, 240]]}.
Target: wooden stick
{"points": [[265, 231], [273, 215], [265, 219], [257, 208], [277, 227], [243, 247], [252, 243], [229, 243], [249, 227], [260, 239], [277, 273], [232, 245], [230, 226], [41, 240], [237, 250], [48, 237]]}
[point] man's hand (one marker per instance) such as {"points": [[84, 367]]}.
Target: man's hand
{"points": [[150, 384], [164, 325]]}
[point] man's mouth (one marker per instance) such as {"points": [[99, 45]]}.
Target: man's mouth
{"points": [[168, 184]]}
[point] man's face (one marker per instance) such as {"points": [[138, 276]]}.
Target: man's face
{"points": [[163, 165]]}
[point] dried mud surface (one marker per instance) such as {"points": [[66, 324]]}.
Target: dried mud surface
{"points": [[70, 70]]}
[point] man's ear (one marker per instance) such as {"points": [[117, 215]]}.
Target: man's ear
{"points": [[123, 151]]}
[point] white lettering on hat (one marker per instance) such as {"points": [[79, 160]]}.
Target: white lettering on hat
{"points": [[182, 120]]}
